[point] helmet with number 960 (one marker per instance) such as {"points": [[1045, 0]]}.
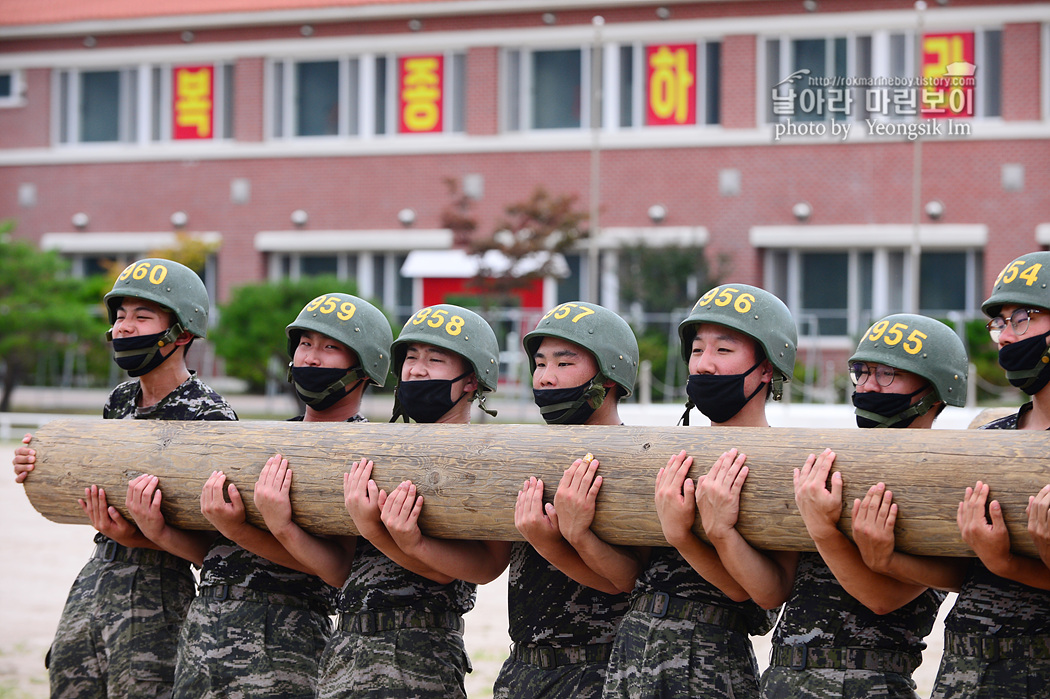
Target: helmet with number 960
{"points": [[598, 330], [167, 283], [455, 329], [1023, 282], [353, 321], [754, 312], [922, 346]]}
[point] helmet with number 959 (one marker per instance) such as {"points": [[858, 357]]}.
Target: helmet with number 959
{"points": [[352, 321], [455, 329]]}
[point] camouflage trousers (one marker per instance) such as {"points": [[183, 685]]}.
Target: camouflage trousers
{"points": [[533, 675], [365, 659], [999, 668], [118, 631], [834, 683], [261, 645], [668, 658]]}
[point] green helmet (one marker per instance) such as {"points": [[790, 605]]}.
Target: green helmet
{"points": [[754, 312], [923, 346], [353, 321], [599, 331], [458, 330], [168, 283], [1023, 282]]}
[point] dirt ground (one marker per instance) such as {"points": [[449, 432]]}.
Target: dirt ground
{"points": [[41, 560]]}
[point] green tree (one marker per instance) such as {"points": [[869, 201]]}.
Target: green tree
{"points": [[250, 333], [42, 309], [664, 279]]}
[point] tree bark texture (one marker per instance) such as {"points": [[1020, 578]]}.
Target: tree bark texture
{"points": [[470, 474]]}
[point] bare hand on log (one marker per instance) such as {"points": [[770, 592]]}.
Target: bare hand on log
{"points": [[363, 499], [537, 522], [1038, 512], [400, 516], [718, 495], [25, 459], [820, 507], [105, 518], [676, 499], [989, 540], [272, 494], [873, 521], [575, 499], [227, 517]]}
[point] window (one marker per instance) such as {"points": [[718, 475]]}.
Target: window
{"points": [[375, 274], [841, 292], [547, 89], [861, 76], [144, 104], [11, 88], [368, 95]]}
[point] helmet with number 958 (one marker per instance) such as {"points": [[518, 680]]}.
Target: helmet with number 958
{"points": [[455, 329], [754, 312], [920, 345], [352, 321], [167, 283]]}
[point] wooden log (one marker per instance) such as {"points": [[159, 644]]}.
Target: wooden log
{"points": [[470, 474]]}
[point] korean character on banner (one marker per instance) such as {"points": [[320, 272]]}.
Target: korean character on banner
{"points": [[934, 101], [784, 104], [877, 101], [840, 100], [812, 101], [905, 101]]}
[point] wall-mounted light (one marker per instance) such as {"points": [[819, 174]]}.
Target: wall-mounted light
{"points": [[306, 30], [802, 211], [657, 213], [80, 220], [549, 18], [187, 37], [809, 5], [935, 209], [90, 42], [414, 25], [406, 217], [663, 12], [179, 219], [299, 218]]}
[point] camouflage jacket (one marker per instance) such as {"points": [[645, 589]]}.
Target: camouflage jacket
{"points": [[669, 572], [991, 605], [547, 607], [192, 400], [821, 614]]}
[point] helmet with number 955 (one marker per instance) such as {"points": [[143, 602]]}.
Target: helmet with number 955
{"points": [[754, 312], [167, 283], [455, 329], [920, 345], [352, 321]]}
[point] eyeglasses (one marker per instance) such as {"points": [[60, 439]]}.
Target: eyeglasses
{"points": [[859, 373], [1018, 320]]}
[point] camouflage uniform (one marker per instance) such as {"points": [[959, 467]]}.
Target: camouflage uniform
{"points": [[828, 644], [120, 624], [399, 634], [562, 631], [684, 638], [997, 636], [257, 629]]}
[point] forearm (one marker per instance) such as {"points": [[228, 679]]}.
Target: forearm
{"points": [[329, 559], [263, 543], [568, 560], [1027, 571], [619, 565], [705, 561], [416, 561], [762, 578], [880, 593], [477, 562], [928, 571], [189, 545]]}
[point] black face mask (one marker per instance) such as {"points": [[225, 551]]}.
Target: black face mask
{"points": [[140, 354], [1027, 363], [570, 406], [720, 397], [323, 387], [890, 409], [426, 401]]}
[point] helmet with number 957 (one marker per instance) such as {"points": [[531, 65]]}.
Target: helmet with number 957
{"points": [[1023, 282], [754, 312], [455, 329], [920, 345], [352, 321], [598, 330], [167, 283]]}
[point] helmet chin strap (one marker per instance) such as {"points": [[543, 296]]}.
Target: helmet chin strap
{"points": [[917, 410]]}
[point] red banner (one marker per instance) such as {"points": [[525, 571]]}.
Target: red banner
{"points": [[193, 105], [671, 73], [421, 91], [948, 75]]}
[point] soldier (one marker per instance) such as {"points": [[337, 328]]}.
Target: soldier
{"points": [[997, 636], [564, 606], [686, 633], [846, 630], [250, 584], [118, 631]]}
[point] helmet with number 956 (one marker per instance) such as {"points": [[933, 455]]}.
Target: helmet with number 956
{"points": [[167, 283], [754, 312], [352, 321], [455, 329]]}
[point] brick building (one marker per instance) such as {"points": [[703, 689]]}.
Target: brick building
{"points": [[315, 136]]}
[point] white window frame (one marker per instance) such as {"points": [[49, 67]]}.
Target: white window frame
{"points": [[523, 82], [17, 98]]}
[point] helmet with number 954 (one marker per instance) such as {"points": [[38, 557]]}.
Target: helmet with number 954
{"points": [[598, 330], [352, 321], [455, 329], [920, 345], [754, 312], [1023, 282], [167, 283]]}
